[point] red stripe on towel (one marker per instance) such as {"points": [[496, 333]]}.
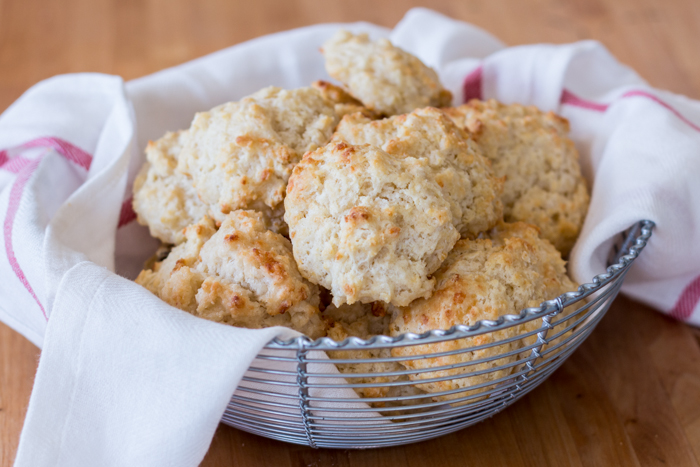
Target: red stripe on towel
{"points": [[569, 98], [24, 168], [15, 164], [471, 88], [69, 151], [64, 148], [127, 214], [663, 104], [687, 301], [13, 206]]}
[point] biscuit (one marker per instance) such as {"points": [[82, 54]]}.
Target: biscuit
{"points": [[164, 199], [482, 279], [363, 321], [176, 279], [240, 155], [465, 176], [530, 148], [385, 78], [243, 275], [368, 225]]}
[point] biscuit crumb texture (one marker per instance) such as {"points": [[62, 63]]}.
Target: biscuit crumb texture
{"points": [[510, 269], [455, 161], [164, 199], [385, 78], [343, 102], [530, 148], [240, 155], [367, 225], [243, 275], [366, 321], [363, 321]]}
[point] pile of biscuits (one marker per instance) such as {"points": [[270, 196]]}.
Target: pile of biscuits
{"points": [[367, 209]]}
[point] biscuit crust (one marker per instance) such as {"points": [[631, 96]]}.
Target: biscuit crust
{"points": [[455, 161], [530, 148], [240, 155], [508, 270], [385, 78], [363, 321], [164, 199], [342, 101], [243, 275], [368, 225]]}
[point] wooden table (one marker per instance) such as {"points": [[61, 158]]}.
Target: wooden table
{"points": [[629, 396]]}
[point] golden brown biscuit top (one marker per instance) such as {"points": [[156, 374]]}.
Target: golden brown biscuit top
{"points": [[242, 274], [245, 252]]}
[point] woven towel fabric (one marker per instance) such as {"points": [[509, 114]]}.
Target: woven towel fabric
{"points": [[125, 379]]}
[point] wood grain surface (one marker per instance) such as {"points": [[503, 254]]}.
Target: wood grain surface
{"points": [[629, 396]]}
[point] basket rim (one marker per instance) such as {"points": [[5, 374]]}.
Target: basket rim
{"points": [[636, 240]]}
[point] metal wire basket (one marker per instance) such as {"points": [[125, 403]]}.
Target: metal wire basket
{"points": [[293, 392]]}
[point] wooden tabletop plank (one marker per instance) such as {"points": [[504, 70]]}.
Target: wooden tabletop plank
{"points": [[18, 362], [675, 356], [582, 397], [629, 396], [631, 381], [544, 414]]}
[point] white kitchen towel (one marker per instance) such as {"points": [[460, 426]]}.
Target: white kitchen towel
{"points": [[123, 378]]}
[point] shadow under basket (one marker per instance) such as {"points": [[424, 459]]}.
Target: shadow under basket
{"points": [[292, 392]]}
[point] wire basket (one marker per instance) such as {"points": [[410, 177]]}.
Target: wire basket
{"points": [[293, 392]]}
